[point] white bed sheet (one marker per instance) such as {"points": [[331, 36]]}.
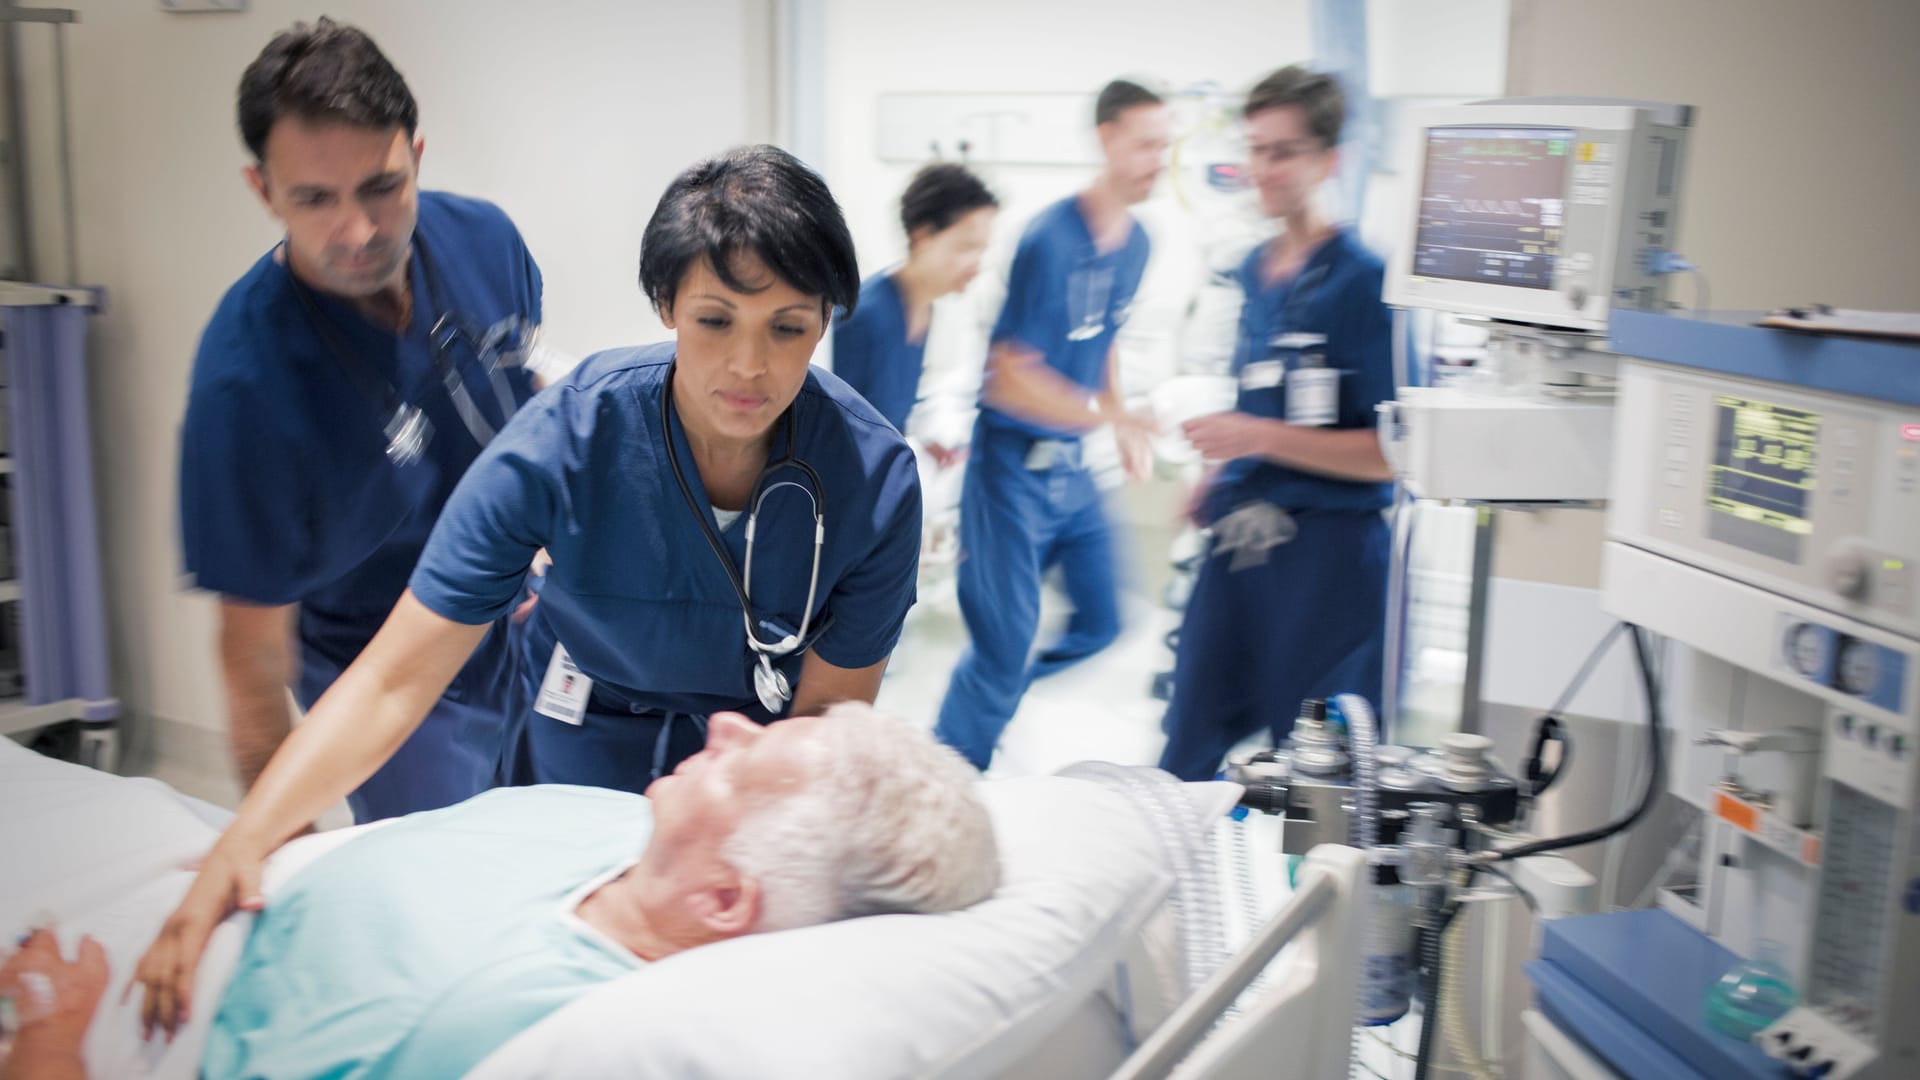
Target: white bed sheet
{"points": [[110, 857]]}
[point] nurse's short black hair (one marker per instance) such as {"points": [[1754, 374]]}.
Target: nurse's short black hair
{"points": [[752, 199], [940, 195], [1120, 95], [1315, 93], [322, 71]]}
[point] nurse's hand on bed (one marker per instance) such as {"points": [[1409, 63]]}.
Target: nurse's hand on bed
{"points": [[229, 881], [348, 734]]}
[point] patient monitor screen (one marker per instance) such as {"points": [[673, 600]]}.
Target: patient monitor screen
{"points": [[1761, 486], [1493, 205]]}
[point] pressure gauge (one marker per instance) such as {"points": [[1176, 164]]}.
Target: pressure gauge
{"points": [[1806, 649], [1859, 668]]}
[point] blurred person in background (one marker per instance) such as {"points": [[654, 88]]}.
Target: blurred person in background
{"points": [[1029, 502], [880, 348], [1290, 602]]}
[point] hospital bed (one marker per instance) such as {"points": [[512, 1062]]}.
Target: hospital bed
{"points": [[1069, 969]]}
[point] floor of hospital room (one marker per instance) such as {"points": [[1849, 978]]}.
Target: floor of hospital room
{"points": [[1101, 709]]}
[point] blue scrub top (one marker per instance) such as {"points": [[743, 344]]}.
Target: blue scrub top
{"points": [[636, 594], [286, 494], [1337, 294], [1061, 288], [871, 352]]}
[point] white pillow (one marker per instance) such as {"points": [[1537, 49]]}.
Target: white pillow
{"points": [[965, 994]]}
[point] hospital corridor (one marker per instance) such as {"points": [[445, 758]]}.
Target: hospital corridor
{"points": [[880, 539]]}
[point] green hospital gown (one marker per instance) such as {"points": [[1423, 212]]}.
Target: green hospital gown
{"points": [[418, 949]]}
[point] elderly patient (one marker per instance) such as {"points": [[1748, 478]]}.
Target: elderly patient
{"points": [[418, 948]]}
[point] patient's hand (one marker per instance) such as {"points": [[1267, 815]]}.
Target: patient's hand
{"points": [[229, 880], [55, 1001]]}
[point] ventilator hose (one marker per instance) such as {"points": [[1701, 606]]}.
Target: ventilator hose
{"points": [[1188, 848], [1362, 737], [1430, 971], [1452, 1017], [1250, 911], [1364, 833]]}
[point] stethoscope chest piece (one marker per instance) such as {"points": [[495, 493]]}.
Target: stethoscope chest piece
{"points": [[770, 685]]}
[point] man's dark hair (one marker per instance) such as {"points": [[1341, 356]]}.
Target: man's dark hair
{"points": [[940, 195], [321, 72], [757, 200], [1120, 95], [1315, 93]]}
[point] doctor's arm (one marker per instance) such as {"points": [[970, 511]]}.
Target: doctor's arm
{"points": [[822, 684], [351, 731], [1343, 454], [258, 662], [1020, 382]]}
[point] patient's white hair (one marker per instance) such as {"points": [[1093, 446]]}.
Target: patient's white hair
{"points": [[891, 824]]}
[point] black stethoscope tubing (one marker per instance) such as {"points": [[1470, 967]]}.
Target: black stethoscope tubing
{"points": [[742, 584]]}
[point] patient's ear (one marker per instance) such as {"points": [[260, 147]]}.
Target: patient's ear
{"points": [[730, 905]]}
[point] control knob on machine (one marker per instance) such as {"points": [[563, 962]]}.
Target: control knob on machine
{"points": [[1806, 650], [1849, 572], [1858, 670]]}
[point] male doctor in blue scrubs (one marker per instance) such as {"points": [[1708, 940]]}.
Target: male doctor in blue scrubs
{"points": [[342, 387], [1028, 502], [1291, 600]]}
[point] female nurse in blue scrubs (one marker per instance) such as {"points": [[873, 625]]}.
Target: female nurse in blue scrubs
{"points": [[880, 347], [1291, 600], [725, 523]]}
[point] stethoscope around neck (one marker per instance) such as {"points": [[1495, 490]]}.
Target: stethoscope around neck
{"points": [[770, 684], [504, 345]]}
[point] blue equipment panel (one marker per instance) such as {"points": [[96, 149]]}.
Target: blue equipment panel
{"points": [[1729, 343], [1632, 986]]}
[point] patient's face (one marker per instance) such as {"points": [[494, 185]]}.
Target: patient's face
{"points": [[743, 765]]}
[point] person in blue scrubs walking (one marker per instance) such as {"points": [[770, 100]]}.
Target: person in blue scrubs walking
{"points": [[1290, 602], [341, 389], [1028, 502], [730, 529], [880, 347]]}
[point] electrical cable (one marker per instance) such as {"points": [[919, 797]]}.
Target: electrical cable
{"points": [[1656, 775], [1533, 906], [1552, 729]]}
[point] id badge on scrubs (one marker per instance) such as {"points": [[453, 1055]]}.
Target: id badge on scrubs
{"points": [[1313, 388], [563, 693]]}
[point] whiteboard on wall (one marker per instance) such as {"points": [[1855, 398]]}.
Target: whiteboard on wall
{"points": [[1001, 129]]}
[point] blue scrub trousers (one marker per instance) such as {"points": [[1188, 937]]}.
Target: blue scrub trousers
{"points": [[1016, 524], [1306, 621], [452, 756]]}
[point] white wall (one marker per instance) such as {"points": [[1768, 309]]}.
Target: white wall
{"points": [[1801, 182], [877, 47], [571, 114], [1006, 46]]}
